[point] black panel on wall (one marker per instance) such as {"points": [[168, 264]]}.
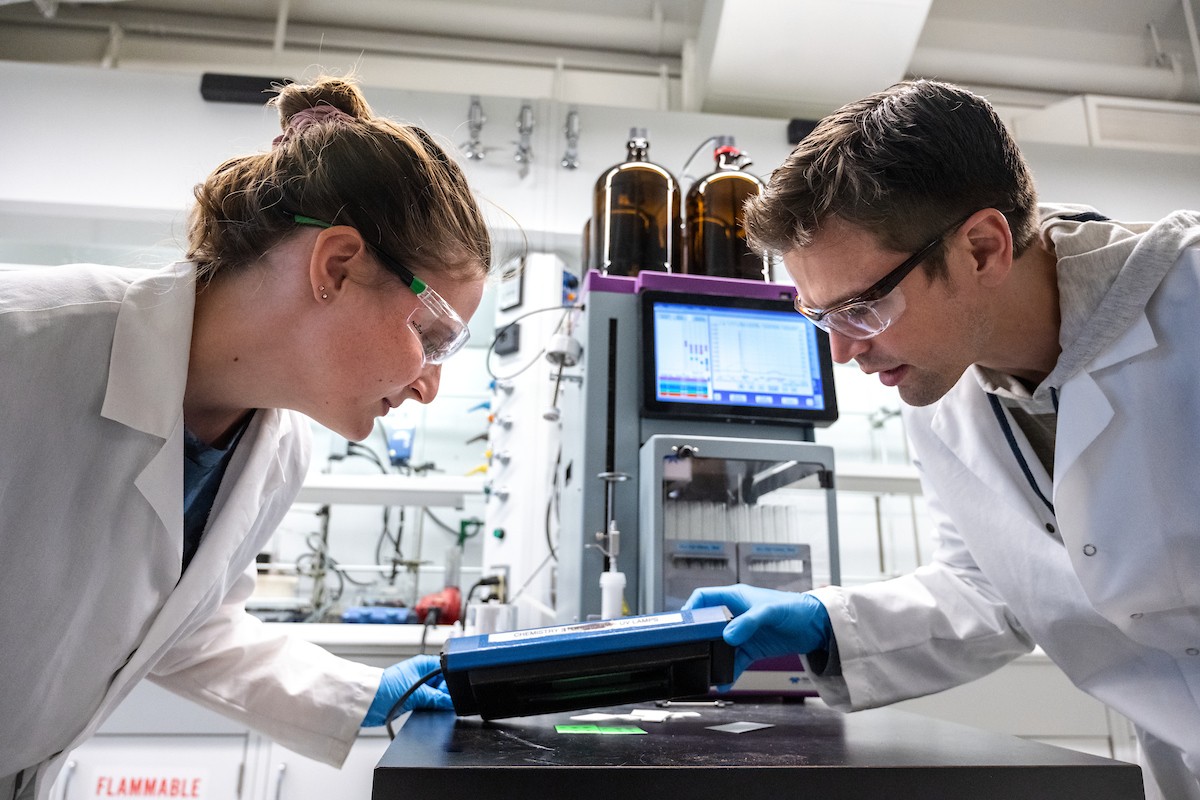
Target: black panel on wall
{"points": [[219, 88], [799, 128]]}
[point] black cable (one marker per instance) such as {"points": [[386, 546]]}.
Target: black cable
{"points": [[318, 560], [552, 503], [437, 521], [362, 451], [487, 359], [359, 450], [490, 580], [397, 552], [557, 383], [471, 591], [385, 535], [473, 522], [431, 618], [395, 710], [467, 598], [684, 172], [383, 434], [550, 541], [529, 580], [356, 582]]}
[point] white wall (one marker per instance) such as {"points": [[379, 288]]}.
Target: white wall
{"points": [[82, 145], [130, 145], [99, 164]]}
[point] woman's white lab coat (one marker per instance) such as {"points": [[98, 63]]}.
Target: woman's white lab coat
{"points": [[1116, 604], [93, 362]]}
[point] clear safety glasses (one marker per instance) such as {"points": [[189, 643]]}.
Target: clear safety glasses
{"points": [[439, 327], [869, 314]]}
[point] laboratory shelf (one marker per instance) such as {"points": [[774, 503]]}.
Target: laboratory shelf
{"points": [[354, 640], [876, 478], [389, 490]]}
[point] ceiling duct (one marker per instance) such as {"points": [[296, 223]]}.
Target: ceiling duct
{"points": [[1055, 75], [1121, 122], [801, 57]]}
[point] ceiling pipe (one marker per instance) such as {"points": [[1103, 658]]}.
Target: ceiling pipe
{"points": [[112, 52], [197, 27], [281, 24], [653, 35], [1166, 82], [689, 90], [1190, 20], [499, 22], [659, 20], [1071, 77]]}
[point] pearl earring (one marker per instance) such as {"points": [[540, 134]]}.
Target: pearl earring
{"points": [[321, 289]]}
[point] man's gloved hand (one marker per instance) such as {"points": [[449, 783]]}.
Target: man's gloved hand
{"points": [[767, 622], [396, 681]]}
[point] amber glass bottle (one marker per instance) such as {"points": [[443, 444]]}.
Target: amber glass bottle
{"points": [[585, 250], [715, 219], [636, 222]]}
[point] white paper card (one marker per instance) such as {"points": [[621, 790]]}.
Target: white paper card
{"points": [[739, 727]]}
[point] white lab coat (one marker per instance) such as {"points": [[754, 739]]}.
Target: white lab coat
{"points": [[1117, 604], [93, 362]]}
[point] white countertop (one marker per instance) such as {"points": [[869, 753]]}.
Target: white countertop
{"points": [[339, 636]]}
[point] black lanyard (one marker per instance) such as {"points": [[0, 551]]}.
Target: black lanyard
{"points": [[1002, 418]]}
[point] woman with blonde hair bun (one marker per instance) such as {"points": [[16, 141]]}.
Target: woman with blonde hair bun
{"points": [[154, 431]]}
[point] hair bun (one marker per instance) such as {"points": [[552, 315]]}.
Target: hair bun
{"points": [[306, 117]]}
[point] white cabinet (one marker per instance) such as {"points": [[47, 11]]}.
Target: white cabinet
{"points": [[174, 766], [155, 736], [292, 777], [1031, 698], [213, 767]]}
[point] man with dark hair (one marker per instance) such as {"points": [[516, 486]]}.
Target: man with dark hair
{"points": [[1049, 358]]}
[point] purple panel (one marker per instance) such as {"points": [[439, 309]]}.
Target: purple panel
{"points": [[594, 281], [705, 284]]}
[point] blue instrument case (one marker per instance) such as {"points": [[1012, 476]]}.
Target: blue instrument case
{"points": [[588, 664]]}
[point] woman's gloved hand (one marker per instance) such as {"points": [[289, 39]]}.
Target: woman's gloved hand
{"points": [[396, 681], [767, 622]]}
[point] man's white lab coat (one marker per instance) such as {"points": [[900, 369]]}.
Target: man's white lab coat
{"points": [[1116, 604]]}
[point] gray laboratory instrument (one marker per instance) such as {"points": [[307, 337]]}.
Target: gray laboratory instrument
{"points": [[702, 395]]}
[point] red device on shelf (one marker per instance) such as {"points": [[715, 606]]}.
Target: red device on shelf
{"points": [[448, 602]]}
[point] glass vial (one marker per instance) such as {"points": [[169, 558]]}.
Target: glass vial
{"points": [[636, 222], [715, 219]]}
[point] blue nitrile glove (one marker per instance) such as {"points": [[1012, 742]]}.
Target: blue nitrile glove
{"points": [[396, 680], [767, 622]]}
